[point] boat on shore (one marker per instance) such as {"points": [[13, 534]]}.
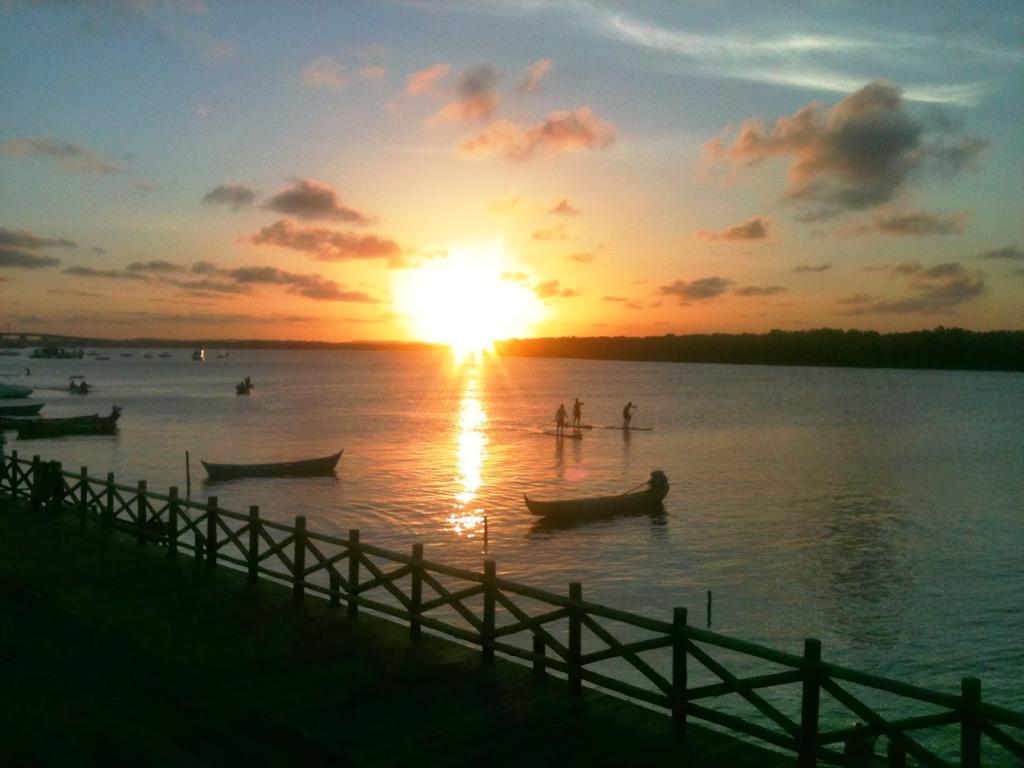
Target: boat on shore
{"points": [[642, 500], [8, 391], [21, 409], [93, 424], [304, 468]]}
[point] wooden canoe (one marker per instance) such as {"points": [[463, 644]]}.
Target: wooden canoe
{"points": [[28, 409], [305, 468], [644, 500], [92, 424]]}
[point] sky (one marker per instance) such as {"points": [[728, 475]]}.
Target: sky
{"points": [[408, 170]]}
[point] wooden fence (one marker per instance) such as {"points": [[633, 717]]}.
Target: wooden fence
{"points": [[561, 634]]}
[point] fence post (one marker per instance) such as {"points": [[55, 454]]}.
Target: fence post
{"points": [[680, 639], [211, 531], [353, 572], [897, 754], [970, 726], [575, 640], [809, 703], [299, 560], [140, 514], [540, 650], [108, 511], [172, 522], [253, 560], [416, 590], [36, 493], [83, 496], [56, 488], [487, 635], [13, 474]]}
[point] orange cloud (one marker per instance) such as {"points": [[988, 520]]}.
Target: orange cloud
{"points": [[328, 245], [425, 80], [534, 76], [561, 132], [476, 100], [755, 229]]}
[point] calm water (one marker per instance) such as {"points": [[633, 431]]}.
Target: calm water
{"points": [[880, 511]]}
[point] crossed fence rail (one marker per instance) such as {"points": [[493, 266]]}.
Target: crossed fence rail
{"points": [[548, 630]]}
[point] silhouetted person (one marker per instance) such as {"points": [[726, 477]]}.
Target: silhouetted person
{"points": [[577, 413], [627, 414], [561, 415]]}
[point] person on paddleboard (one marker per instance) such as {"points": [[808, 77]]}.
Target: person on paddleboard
{"points": [[561, 416], [577, 413], [627, 414]]}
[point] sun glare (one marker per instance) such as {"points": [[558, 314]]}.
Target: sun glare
{"points": [[467, 299]]}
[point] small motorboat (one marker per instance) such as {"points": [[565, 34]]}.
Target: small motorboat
{"points": [[14, 390], [305, 468], [643, 499], [27, 409], [93, 424], [244, 387], [78, 386]]}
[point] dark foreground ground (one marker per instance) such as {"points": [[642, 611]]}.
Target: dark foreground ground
{"points": [[112, 654]]}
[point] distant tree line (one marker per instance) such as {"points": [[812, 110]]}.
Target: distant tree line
{"points": [[942, 348]]}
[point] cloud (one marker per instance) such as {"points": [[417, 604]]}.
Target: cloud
{"points": [[312, 199], [755, 229], [154, 266], [328, 245], [72, 158], [1010, 252], [942, 288], [560, 132], [504, 205], [23, 238], [704, 289], [110, 274], [97, 250], [476, 98], [12, 257], [622, 299], [556, 232], [552, 288], [233, 195], [515, 277], [323, 72], [859, 154], [535, 74], [757, 290], [812, 267], [207, 287], [582, 258], [426, 80], [308, 285], [373, 71], [205, 268], [564, 208], [920, 223]]}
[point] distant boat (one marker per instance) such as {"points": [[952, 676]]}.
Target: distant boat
{"points": [[244, 387], [78, 386], [639, 501], [164, 354], [93, 424], [56, 353], [9, 353], [102, 357], [26, 409], [199, 355], [14, 390], [148, 355], [305, 468]]}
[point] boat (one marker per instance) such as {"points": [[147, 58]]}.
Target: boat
{"points": [[93, 424], [244, 387], [9, 353], [147, 356], [56, 353], [164, 354], [14, 390], [102, 357], [304, 468], [78, 386], [642, 500], [199, 355], [26, 409]]}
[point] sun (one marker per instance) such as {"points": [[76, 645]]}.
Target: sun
{"points": [[468, 299]]}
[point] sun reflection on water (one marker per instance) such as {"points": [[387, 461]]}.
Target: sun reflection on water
{"points": [[467, 517]]}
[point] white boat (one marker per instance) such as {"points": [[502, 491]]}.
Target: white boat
{"points": [[199, 355], [14, 390]]}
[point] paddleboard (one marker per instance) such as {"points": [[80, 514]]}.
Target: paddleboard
{"points": [[632, 429], [566, 435]]}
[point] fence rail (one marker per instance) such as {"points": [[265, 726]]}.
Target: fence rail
{"points": [[546, 629]]}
